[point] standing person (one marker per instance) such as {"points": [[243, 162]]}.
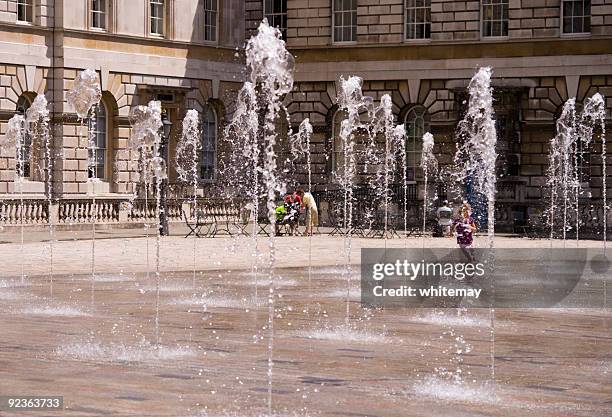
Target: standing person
{"points": [[464, 228], [310, 207]]}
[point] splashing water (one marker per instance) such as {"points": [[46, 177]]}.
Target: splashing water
{"points": [[399, 133], [85, 93], [143, 352], [346, 333], [444, 390], [59, 311], [270, 68], [84, 96], [145, 142], [187, 165], [475, 162], [383, 123], [476, 149], [187, 148], [594, 116], [352, 101], [37, 123], [243, 132], [14, 132], [429, 164], [14, 141]]}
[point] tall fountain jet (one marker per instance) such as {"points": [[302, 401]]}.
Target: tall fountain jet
{"points": [[84, 96], [576, 132], [14, 143], [37, 125], [593, 117], [383, 123], [475, 161], [561, 173], [352, 102], [270, 77], [187, 158], [476, 154], [429, 164], [145, 146]]}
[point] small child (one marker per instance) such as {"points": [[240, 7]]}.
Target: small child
{"points": [[464, 228]]}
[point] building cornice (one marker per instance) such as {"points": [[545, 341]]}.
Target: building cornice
{"points": [[456, 50]]}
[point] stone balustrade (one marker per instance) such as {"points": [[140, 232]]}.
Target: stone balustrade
{"points": [[28, 212]]}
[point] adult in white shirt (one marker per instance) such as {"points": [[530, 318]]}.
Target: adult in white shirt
{"points": [[310, 207]]}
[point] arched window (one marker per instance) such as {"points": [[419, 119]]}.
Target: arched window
{"points": [[208, 152], [417, 123], [24, 152], [97, 160], [337, 149]]}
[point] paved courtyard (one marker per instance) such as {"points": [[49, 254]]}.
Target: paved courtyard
{"points": [[96, 343]]}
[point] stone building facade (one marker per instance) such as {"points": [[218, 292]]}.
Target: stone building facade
{"points": [[421, 52]]}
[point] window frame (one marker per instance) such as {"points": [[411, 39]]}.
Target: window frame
{"points": [[418, 139], [562, 19], [424, 23], [23, 104], [275, 14], [501, 3], [107, 144], [333, 31], [29, 5], [209, 109], [216, 21], [163, 19], [105, 14]]}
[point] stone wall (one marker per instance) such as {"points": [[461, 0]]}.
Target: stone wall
{"points": [[382, 21]]}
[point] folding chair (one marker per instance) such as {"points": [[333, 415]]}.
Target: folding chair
{"points": [[194, 228]]}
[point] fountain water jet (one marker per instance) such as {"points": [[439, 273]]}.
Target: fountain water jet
{"points": [[187, 164], [84, 97], [429, 164], [14, 142], [383, 122], [594, 116], [352, 101], [476, 159], [270, 75], [145, 142], [37, 122], [244, 131]]}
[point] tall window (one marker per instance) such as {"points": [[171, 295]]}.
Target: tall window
{"points": [[210, 20], [97, 157], [23, 154], [576, 16], [418, 19], [98, 14], [25, 10], [276, 13], [345, 20], [494, 18], [208, 152], [417, 123], [157, 17]]}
